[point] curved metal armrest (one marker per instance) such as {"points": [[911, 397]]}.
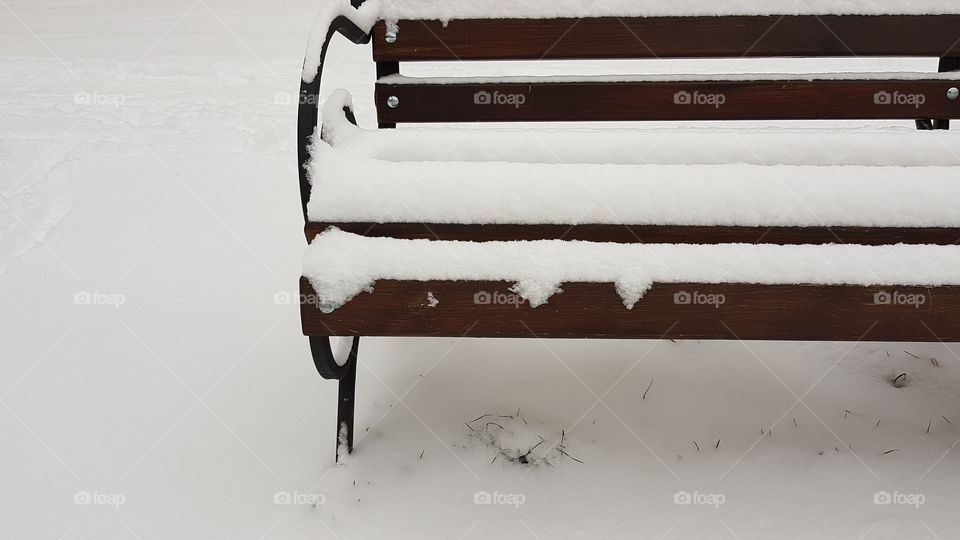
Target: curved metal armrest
{"points": [[310, 101]]}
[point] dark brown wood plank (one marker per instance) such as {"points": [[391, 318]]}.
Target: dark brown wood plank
{"points": [[588, 310], [670, 100], [650, 234], [671, 37]]}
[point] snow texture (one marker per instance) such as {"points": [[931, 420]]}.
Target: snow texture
{"points": [[677, 77], [723, 143], [544, 9], [446, 10], [748, 179], [341, 265]]}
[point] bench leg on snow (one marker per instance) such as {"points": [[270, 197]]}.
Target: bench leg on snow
{"points": [[345, 372]]}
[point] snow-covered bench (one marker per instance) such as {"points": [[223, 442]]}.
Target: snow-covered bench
{"points": [[721, 233]]}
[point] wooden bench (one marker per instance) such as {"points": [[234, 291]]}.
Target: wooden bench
{"points": [[592, 310]]}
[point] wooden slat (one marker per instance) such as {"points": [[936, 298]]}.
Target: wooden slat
{"points": [[749, 312], [668, 234], [671, 37], [669, 100]]}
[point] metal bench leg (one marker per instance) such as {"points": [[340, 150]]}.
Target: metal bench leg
{"points": [[345, 408], [327, 366]]}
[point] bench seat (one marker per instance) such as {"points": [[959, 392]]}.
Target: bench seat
{"points": [[387, 286], [781, 178]]}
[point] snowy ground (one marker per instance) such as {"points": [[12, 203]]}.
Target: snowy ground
{"points": [[147, 159]]}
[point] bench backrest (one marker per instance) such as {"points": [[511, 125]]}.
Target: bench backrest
{"points": [[874, 96]]}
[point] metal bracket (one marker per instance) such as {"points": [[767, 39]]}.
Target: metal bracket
{"points": [[310, 100], [325, 360], [948, 64]]}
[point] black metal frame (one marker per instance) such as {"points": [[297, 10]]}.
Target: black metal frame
{"points": [[307, 117], [309, 109]]}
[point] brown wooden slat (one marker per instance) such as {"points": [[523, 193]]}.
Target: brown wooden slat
{"points": [[636, 101], [590, 310], [668, 234], [671, 37]]}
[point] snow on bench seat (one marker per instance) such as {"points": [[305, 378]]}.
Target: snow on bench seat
{"points": [[815, 146], [678, 77], [750, 179], [341, 265]]}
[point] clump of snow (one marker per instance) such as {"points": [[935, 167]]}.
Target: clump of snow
{"points": [[341, 265], [535, 290], [432, 300], [632, 286], [336, 127]]}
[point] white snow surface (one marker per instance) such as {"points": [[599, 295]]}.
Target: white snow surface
{"points": [[173, 189], [547, 9], [792, 178], [679, 77], [341, 265], [372, 11]]}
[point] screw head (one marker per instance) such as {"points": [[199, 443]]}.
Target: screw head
{"points": [[393, 102], [390, 37], [953, 93]]}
